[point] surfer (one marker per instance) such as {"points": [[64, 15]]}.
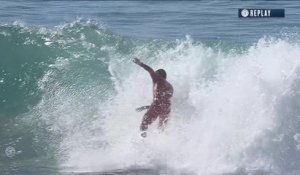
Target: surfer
{"points": [[161, 104]]}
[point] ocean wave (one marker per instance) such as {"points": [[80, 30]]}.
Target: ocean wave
{"points": [[74, 90]]}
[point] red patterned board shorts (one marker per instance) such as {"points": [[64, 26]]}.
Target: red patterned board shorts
{"points": [[156, 110]]}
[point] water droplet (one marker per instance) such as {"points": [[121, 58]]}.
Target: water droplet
{"points": [[297, 137], [10, 151]]}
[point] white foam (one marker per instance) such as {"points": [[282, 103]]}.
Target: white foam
{"points": [[223, 106]]}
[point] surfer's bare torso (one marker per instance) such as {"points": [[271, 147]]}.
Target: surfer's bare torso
{"points": [[162, 93]]}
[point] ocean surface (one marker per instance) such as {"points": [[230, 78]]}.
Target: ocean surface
{"points": [[69, 89]]}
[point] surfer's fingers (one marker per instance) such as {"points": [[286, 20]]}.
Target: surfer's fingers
{"points": [[136, 60]]}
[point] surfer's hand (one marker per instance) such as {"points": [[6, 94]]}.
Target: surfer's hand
{"points": [[137, 61], [142, 108], [139, 109]]}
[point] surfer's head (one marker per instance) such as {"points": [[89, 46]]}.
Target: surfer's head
{"points": [[162, 73]]}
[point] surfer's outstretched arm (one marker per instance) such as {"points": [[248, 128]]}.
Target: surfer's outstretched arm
{"points": [[147, 68], [142, 108]]}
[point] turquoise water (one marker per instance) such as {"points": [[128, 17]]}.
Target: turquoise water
{"points": [[68, 88]]}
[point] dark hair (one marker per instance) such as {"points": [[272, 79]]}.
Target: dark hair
{"points": [[162, 73]]}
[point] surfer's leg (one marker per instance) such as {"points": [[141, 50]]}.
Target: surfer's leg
{"points": [[164, 116], [163, 119], [148, 118]]}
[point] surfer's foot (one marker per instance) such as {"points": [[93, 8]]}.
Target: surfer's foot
{"points": [[144, 134]]}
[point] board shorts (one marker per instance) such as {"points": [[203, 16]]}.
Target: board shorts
{"points": [[156, 110]]}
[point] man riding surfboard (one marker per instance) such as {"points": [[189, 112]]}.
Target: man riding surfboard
{"points": [[161, 104]]}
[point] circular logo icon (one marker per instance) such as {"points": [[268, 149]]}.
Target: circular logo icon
{"points": [[10, 151], [245, 13]]}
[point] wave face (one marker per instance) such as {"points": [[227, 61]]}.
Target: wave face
{"points": [[68, 95]]}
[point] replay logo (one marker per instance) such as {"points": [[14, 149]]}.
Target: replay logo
{"points": [[261, 13]]}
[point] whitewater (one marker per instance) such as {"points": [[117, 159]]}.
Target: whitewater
{"points": [[69, 104]]}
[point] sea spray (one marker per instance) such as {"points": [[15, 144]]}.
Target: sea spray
{"points": [[222, 118], [234, 107]]}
